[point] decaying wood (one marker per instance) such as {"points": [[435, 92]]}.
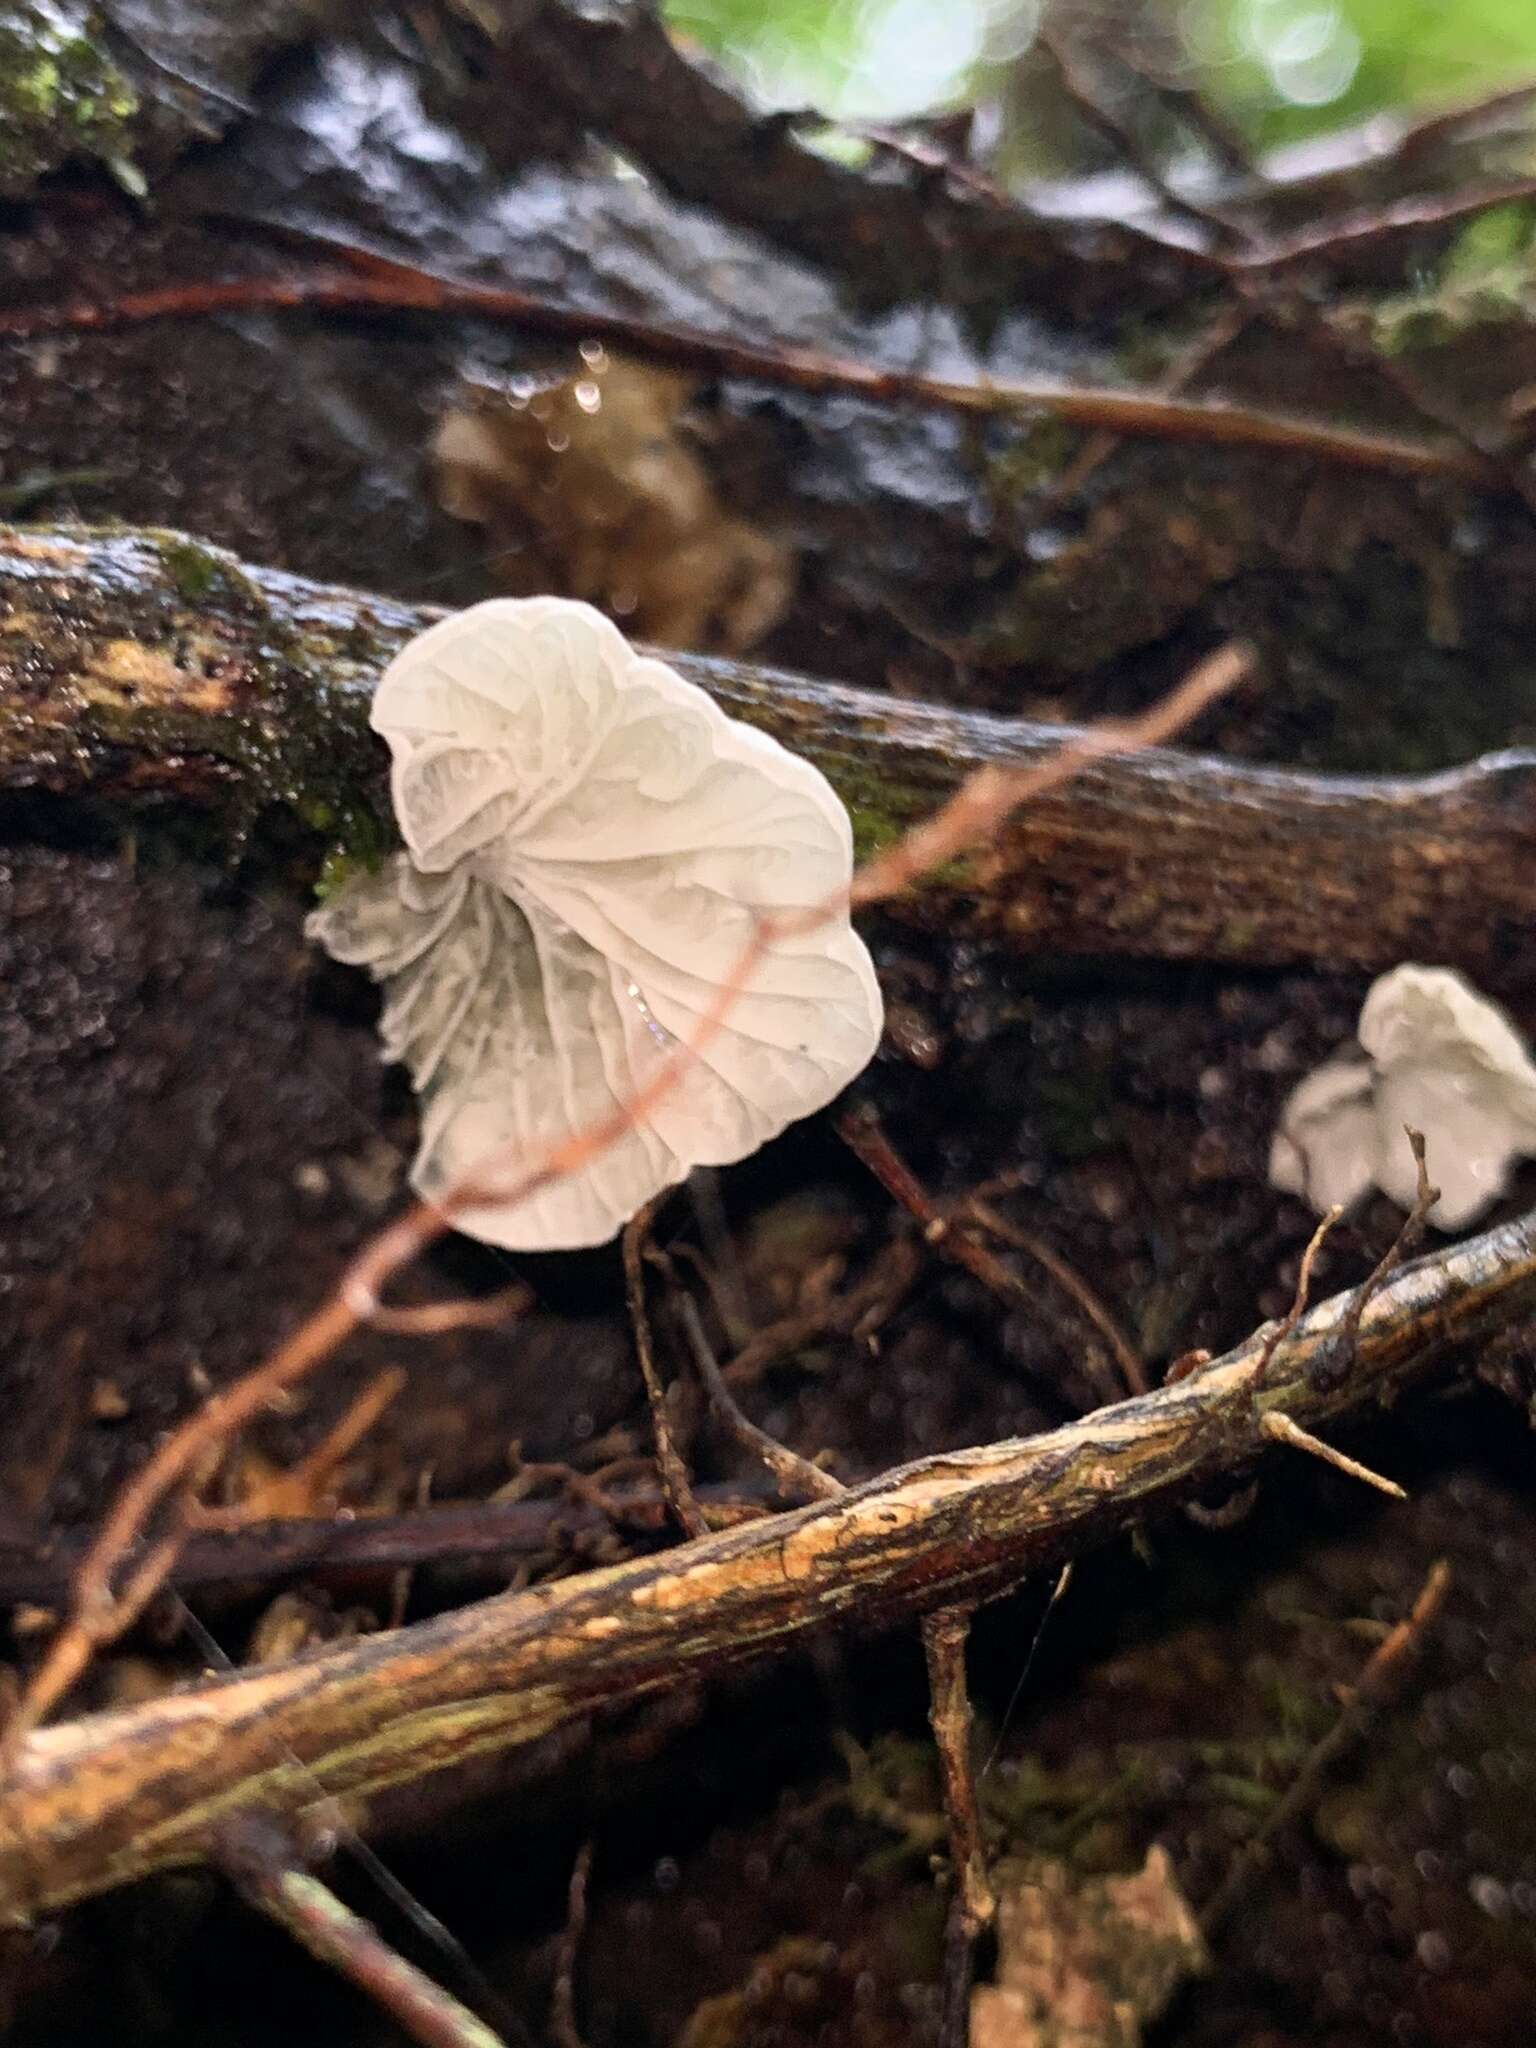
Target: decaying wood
{"points": [[139, 666], [98, 1801]]}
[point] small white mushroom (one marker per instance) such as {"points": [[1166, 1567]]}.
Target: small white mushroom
{"points": [[589, 844], [1438, 1058], [1325, 1148]]}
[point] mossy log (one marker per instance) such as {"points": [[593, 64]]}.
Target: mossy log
{"points": [[95, 1802], [147, 669]]}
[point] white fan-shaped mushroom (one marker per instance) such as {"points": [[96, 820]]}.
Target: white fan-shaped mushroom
{"points": [[1325, 1148], [589, 844], [1439, 1058]]}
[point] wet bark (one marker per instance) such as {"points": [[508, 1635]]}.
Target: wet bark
{"points": [[152, 671]]}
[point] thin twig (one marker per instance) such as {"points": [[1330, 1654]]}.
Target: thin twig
{"points": [[563, 2029], [1132, 1371], [1298, 1307], [675, 1482], [1425, 1198], [972, 1906], [943, 1227], [1280, 1429], [985, 798], [1404, 219], [1383, 1672], [473, 1312], [388, 287], [797, 1477], [258, 1859], [288, 1492]]}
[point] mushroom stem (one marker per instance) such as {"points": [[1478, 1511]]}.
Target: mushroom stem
{"points": [[143, 667]]}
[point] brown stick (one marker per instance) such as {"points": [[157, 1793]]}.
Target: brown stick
{"points": [[115, 683], [973, 1906], [254, 1857], [95, 1802], [563, 2030], [1148, 415], [675, 1482], [478, 1540]]}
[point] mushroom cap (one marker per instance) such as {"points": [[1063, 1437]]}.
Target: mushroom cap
{"points": [[1440, 1059], [590, 843], [1449, 1063], [1325, 1147]]}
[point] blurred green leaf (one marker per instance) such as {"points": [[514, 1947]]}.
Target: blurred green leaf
{"points": [[1290, 68]]}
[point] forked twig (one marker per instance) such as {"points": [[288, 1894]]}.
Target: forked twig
{"points": [[798, 1478], [943, 1227], [289, 1492]]}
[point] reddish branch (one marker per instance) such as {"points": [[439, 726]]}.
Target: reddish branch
{"points": [[378, 285]]}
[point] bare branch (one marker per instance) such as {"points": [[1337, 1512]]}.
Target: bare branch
{"points": [[258, 1861], [1158, 415], [973, 1906], [121, 687], [95, 1802], [675, 1482]]}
